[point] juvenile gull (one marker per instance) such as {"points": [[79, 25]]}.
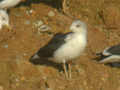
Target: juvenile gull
{"points": [[110, 54], [65, 47]]}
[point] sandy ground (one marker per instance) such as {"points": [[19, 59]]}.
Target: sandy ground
{"points": [[19, 44]]}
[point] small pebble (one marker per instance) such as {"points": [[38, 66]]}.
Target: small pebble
{"points": [[51, 14], [5, 46], [27, 22], [49, 89], [22, 78], [29, 11], [79, 70], [38, 23], [24, 54], [17, 80], [44, 28]]}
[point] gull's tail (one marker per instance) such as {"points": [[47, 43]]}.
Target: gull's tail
{"points": [[34, 59], [35, 56]]}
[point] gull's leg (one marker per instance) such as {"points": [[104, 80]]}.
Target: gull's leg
{"points": [[65, 70], [69, 70]]}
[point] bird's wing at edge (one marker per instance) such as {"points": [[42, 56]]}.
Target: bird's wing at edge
{"points": [[115, 50], [56, 42]]}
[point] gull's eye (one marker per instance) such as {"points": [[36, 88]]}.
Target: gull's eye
{"points": [[78, 25], [3, 18]]}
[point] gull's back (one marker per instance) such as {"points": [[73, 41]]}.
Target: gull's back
{"points": [[114, 50], [8, 3], [56, 42]]}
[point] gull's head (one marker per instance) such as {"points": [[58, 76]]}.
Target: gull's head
{"points": [[4, 19], [78, 27]]}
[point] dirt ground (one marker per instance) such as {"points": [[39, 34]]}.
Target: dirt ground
{"points": [[19, 44]]}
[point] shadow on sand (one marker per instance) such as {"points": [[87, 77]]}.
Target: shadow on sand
{"points": [[43, 61]]}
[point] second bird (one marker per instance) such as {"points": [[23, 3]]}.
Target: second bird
{"points": [[65, 47]]}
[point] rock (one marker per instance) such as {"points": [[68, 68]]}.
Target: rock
{"points": [[111, 16], [24, 54], [51, 14], [5, 46], [49, 89], [44, 28], [79, 70], [28, 12], [38, 23], [41, 26]]}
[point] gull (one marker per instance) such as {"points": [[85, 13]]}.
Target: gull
{"points": [[4, 5], [63, 48], [110, 54]]}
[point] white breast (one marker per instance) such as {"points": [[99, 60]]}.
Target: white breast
{"points": [[4, 19], [72, 49]]}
